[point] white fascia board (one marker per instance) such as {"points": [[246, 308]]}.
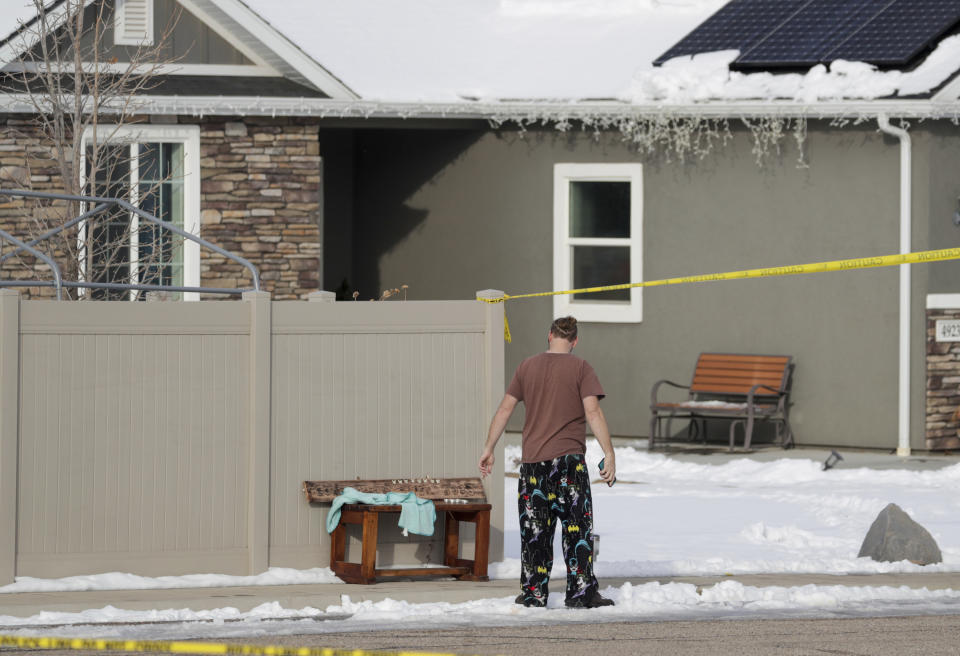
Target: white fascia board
{"points": [[949, 93], [300, 61], [496, 111], [213, 70]]}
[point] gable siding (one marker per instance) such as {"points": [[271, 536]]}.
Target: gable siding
{"points": [[190, 42]]}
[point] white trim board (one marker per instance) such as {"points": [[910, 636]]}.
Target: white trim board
{"points": [[235, 16], [212, 70], [943, 301], [547, 111], [587, 310], [189, 136]]}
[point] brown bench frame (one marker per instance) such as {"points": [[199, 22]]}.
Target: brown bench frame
{"points": [[367, 516], [764, 402]]}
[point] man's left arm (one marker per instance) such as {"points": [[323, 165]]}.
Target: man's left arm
{"points": [[598, 424]]}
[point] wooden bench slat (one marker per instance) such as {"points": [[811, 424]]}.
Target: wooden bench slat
{"points": [[732, 357], [746, 368], [741, 390], [744, 384], [421, 571], [744, 379], [432, 488]]}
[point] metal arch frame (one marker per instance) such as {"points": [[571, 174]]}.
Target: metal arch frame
{"points": [[102, 204]]}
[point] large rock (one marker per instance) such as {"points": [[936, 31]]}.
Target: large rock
{"points": [[894, 536]]}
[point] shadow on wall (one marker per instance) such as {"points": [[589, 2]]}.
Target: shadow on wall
{"points": [[391, 166]]}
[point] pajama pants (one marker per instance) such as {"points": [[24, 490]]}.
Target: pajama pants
{"points": [[555, 491]]}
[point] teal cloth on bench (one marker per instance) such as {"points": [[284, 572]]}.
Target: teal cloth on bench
{"points": [[416, 515]]}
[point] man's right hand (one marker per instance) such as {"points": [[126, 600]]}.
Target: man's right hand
{"points": [[609, 471], [486, 463]]}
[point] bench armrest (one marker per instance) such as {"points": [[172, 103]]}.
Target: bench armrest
{"points": [[656, 388], [753, 390]]}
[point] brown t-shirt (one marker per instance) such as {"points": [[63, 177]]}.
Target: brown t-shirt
{"points": [[552, 386]]}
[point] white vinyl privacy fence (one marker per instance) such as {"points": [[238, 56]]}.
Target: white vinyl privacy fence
{"points": [[170, 438]]}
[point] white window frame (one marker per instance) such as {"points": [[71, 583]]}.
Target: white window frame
{"points": [[121, 33], [189, 136], [563, 243]]}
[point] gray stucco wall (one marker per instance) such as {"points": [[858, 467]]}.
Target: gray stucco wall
{"points": [[942, 141], [450, 212]]}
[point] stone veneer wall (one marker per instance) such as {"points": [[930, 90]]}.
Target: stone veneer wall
{"points": [[260, 198], [26, 162], [943, 385]]}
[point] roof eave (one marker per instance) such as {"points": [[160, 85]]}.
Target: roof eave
{"points": [[533, 111]]}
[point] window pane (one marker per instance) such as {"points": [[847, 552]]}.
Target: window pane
{"points": [[161, 194], [107, 247], [597, 266], [599, 209]]}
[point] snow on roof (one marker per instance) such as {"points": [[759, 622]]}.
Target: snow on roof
{"points": [[452, 50], [460, 51], [707, 77]]}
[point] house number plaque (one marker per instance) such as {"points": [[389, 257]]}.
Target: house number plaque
{"points": [[948, 330]]}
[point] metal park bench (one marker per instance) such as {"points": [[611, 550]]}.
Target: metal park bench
{"points": [[742, 388], [457, 499]]}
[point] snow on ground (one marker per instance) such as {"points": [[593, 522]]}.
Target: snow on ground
{"points": [[647, 602], [663, 517], [667, 517]]}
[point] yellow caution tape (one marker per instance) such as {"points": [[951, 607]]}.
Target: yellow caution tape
{"points": [[922, 257], [165, 647]]}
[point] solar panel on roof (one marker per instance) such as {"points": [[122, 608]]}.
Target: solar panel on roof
{"points": [[736, 26], [774, 34], [804, 37], [899, 32]]}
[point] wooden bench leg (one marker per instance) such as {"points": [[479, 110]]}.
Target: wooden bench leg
{"points": [[368, 562], [482, 552], [338, 546], [451, 540]]}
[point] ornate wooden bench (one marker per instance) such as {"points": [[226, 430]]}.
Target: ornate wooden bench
{"points": [[455, 499], [744, 388]]}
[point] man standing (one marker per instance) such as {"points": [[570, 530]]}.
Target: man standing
{"points": [[562, 394]]}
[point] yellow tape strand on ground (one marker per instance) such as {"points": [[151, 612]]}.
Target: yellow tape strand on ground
{"points": [[922, 257], [165, 647]]}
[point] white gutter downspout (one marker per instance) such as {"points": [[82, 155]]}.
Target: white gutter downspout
{"points": [[903, 445]]}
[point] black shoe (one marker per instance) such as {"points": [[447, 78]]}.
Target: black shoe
{"points": [[596, 601], [529, 602]]}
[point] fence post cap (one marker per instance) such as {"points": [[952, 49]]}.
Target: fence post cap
{"points": [[321, 296], [490, 294]]}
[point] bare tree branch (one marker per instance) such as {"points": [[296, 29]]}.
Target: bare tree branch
{"points": [[83, 96]]}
